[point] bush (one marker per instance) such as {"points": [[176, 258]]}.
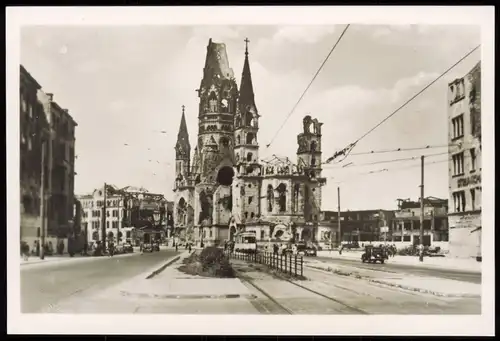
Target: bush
{"points": [[211, 255], [210, 263]]}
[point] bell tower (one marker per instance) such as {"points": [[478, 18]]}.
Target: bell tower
{"points": [[218, 94], [309, 158], [246, 151], [182, 151]]}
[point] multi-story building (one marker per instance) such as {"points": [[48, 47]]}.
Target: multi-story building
{"points": [[225, 188], [464, 136], [33, 127], [131, 213], [405, 226], [42, 119], [361, 226]]}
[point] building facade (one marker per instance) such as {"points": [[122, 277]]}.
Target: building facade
{"points": [[464, 137], [405, 226], [223, 187], [129, 212], [43, 120], [356, 226], [33, 126]]}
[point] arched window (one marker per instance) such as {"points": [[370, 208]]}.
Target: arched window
{"points": [[270, 198], [248, 119], [313, 146], [249, 157], [238, 139], [212, 102], [250, 138], [313, 161], [282, 197]]}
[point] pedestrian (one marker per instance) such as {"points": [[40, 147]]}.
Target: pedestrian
{"points": [[176, 247], [189, 247], [341, 248]]}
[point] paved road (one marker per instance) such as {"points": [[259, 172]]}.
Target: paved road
{"points": [[46, 284], [403, 268]]}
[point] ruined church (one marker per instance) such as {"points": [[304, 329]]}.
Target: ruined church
{"points": [[222, 187]]}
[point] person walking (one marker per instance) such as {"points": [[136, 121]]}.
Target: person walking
{"points": [[189, 247]]}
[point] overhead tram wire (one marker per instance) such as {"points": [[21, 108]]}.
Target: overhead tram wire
{"points": [[386, 161], [354, 176], [346, 151], [396, 150], [308, 86]]}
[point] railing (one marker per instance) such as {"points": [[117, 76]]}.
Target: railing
{"points": [[289, 264]]}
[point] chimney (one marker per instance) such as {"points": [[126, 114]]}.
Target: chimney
{"points": [[51, 96]]}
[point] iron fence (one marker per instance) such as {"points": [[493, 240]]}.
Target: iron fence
{"points": [[289, 264]]}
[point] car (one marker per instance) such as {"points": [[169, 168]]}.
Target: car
{"points": [[128, 248], [306, 250]]}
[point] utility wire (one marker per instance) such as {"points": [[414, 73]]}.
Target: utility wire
{"points": [[395, 169], [307, 88], [402, 149], [352, 145], [388, 161]]}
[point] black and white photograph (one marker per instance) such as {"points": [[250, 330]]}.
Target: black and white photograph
{"points": [[218, 166]]}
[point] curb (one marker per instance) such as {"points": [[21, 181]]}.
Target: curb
{"points": [[74, 259], [164, 266], [188, 297], [424, 291]]}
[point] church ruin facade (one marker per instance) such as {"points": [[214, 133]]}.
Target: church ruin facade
{"points": [[222, 187]]}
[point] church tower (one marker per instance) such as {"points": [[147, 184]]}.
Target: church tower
{"points": [[218, 94], [182, 152], [309, 159], [246, 122], [246, 151]]}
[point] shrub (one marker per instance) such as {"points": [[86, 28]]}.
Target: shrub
{"points": [[210, 263], [211, 255]]}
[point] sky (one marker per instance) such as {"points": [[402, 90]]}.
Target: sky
{"points": [[126, 85]]}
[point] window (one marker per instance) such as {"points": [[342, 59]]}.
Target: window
{"points": [[458, 126], [97, 224], [107, 224], [458, 164], [246, 215], [107, 213], [29, 142], [262, 234], [473, 198], [249, 157], [250, 199], [23, 103], [115, 213], [210, 235], [473, 159], [30, 111], [459, 201], [252, 215]]}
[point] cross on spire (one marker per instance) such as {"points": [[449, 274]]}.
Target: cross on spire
{"points": [[246, 45], [183, 108]]}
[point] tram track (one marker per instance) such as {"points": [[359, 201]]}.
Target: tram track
{"points": [[281, 308]]}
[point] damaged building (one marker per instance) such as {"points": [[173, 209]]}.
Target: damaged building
{"points": [[222, 187]]}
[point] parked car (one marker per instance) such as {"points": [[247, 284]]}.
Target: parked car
{"points": [[374, 254], [306, 250], [128, 248]]}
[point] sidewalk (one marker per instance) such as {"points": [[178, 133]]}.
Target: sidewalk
{"points": [[65, 258], [468, 265]]}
